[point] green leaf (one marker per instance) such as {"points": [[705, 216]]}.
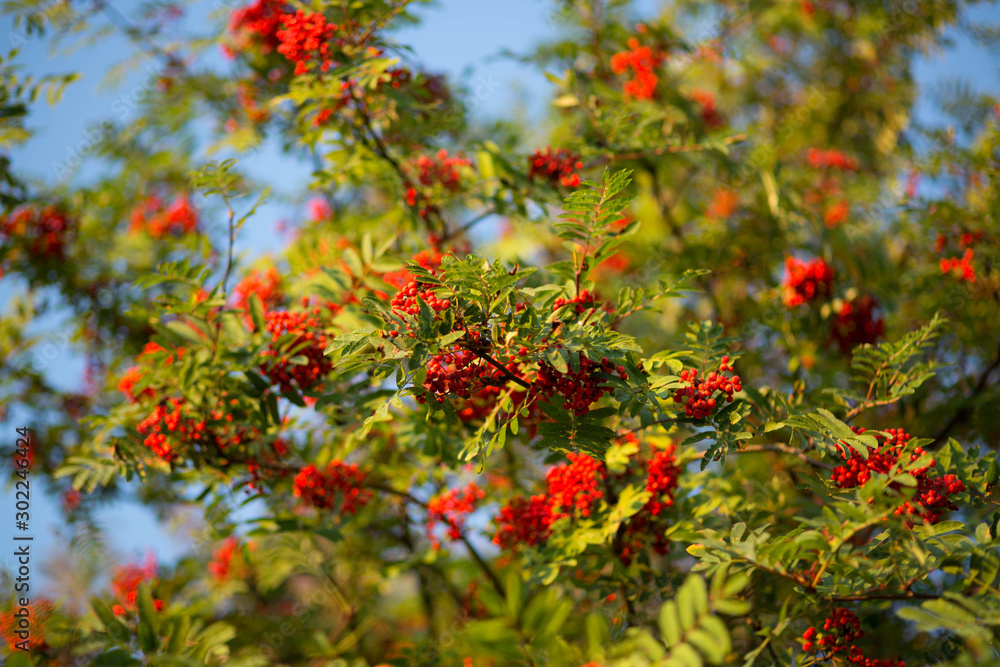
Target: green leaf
{"points": [[115, 628], [670, 623], [257, 312], [147, 610], [179, 635], [148, 641]]}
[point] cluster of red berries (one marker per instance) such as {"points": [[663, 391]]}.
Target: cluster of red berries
{"points": [[133, 376], [523, 522], [836, 213], [451, 508], [581, 303], [650, 523], [411, 291], [323, 115], [661, 480], [806, 281], [167, 417], [280, 363], [266, 284], [642, 61], [257, 24], [840, 630], [436, 175], [43, 233], [319, 209], [407, 301], [227, 559], [152, 352], [724, 202], [477, 384], [827, 192], [247, 99], [558, 167], [171, 430], [125, 583], [71, 500], [159, 221], [408, 298], [429, 260], [966, 239], [579, 388], [440, 170], [462, 373], [457, 372], [702, 395], [856, 324], [175, 428], [572, 489], [962, 266], [13, 629], [305, 39], [339, 484], [830, 159], [710, 115], [932, 495], [266, 469]]}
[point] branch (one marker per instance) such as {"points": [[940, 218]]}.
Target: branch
{"points": [[468, 225], [784, 449], [904, 595], [756, 449], [485, 567], [465, 540], [503, 369], [638, 154], [376, 145], [394, 492], [964, 411], [861, 407]]}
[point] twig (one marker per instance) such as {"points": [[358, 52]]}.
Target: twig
{"points": [[468, 225], [784, 449], [963, 412], [485, 567], [756, 449], [465, 540], [638, 154], [907, 595], [503, 369]]}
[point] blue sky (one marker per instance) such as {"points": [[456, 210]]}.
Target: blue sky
{"points": [[458, 37]]}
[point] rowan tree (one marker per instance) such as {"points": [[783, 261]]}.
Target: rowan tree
{"points": [[718, 383]]}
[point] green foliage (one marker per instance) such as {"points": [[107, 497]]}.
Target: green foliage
{"points": [[446, 420]]}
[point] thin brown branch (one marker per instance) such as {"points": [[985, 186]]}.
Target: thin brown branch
{"points": [[903, 595], [966, 409], [784, 449], [503, 369], [461, 229], [639, 154], [485, 567]]}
